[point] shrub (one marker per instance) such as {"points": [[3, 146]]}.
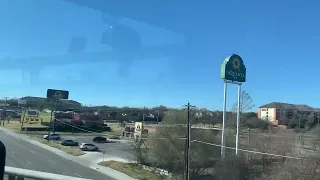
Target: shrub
{"points": [[257, 123]]}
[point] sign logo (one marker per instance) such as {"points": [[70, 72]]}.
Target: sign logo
{"points": [[53, 93], [236, 63], [233, 69], [58, 94], [138, 128]]}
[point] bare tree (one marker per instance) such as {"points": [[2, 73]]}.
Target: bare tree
{"points": [[304, 169], [246, 104]]}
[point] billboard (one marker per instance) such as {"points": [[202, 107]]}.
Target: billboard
{"points": [[61, 94], [22, 101]]}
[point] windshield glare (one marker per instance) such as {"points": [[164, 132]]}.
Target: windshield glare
{"points": [[161, 90]]}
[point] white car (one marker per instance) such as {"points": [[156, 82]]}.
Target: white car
{"points": [[52, 136], [88, 147]]}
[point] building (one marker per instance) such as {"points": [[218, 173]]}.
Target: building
{"points": [[281, 113], [32, 101]]}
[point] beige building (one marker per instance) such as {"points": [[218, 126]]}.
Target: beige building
{"points": [[281, 113]]}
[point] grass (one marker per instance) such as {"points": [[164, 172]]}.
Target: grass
{"points": [[133, 170], [66, 149], [46, 117], [16, 126], [116, 129]]}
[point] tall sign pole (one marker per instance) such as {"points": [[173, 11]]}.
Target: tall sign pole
{"points": [[223, 136], [238, 118], [233, 71], [55, 95]]}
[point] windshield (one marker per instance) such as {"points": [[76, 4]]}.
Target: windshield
{"points": [[32, 113], [164, 90]]}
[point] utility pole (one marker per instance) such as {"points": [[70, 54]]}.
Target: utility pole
{"points": [[49, 128], [158, 116], [144, 108], [188, 142], [5, 110], [54, 120], [6, 98]]}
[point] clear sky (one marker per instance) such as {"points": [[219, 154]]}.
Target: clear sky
{"points": [[277, 39]]}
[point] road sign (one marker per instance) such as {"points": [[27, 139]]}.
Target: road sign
{"points": [[61, 94], [233, 69], [22, 101]]}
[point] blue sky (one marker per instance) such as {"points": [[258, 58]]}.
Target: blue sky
{"points": [[278, 41]]}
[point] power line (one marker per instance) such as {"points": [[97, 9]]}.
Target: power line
{"points": [[271, 135], [77, 127], [249, 151]]}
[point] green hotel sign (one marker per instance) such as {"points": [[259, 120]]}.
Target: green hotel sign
{"points": [[233, 69]]}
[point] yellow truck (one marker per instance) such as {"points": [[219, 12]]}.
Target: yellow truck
{"points": [[31, 116]]}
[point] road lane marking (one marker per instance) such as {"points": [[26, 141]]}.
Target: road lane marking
{"points": [[77, 174], [52, 161], [32, 152], [28, 162]]}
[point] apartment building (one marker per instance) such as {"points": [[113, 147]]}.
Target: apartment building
{"points": [[281, 113]]}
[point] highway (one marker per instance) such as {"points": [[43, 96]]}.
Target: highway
{"points": [[22, 154]]}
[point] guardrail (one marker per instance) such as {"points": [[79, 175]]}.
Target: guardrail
{"points": [[20, 174]]}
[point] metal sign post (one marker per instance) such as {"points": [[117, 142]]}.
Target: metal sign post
{"points": [[238, 119], [233, 71], [223, 136], [55, 95]]}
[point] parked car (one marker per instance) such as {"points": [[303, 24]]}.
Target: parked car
{"points": [[69, 143], [88, 147], [100, 139], [115, 137], [52, 136]]}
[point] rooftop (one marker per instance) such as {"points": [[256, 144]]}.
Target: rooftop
{"points": [[280, 105]]}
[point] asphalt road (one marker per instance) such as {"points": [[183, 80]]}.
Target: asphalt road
{"points": [[121, 150], [22, 154]]}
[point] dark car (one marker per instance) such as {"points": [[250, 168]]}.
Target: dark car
{"points": [[100, 139], [115, 137], [69, 143]]}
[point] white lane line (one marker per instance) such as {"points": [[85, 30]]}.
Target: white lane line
{"points": [[32, 151], [77, 174], [52, 161], [28, 162]]}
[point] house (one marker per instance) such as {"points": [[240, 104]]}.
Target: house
{"points": [[281, 113]]}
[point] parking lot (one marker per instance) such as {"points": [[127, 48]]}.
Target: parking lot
{"points": [[116, 148]]}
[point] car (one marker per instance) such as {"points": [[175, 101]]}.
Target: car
{"points": [[52, 136], [88, 147], [115, 137], [100, 139], [69, 143]]}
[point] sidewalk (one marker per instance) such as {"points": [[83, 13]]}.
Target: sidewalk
{"points": [[84, 160]]}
